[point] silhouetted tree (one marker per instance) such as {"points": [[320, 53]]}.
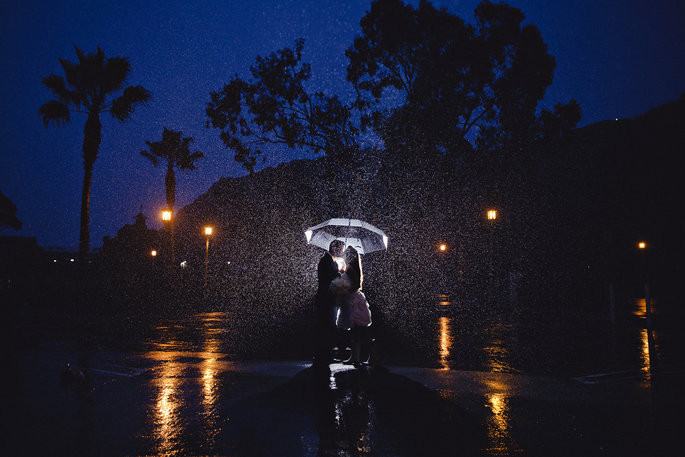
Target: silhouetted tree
{"points": [[274, 108], [444, 96], [175, 151], [89, 87], [8, 213], [435, 89], [454, 81]]}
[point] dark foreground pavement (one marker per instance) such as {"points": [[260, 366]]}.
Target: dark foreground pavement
{"points": [[117, 404]]}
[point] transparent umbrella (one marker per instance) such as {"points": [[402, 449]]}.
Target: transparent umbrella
{"points": [[362, 236]]}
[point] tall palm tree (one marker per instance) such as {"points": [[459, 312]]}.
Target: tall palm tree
{"points": [[175, 151], [91, 87]]}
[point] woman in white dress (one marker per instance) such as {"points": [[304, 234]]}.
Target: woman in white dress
{"points": [[354, 312]]}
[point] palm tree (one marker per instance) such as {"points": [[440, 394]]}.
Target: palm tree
{"points": [[175, 150], [89, 88]]}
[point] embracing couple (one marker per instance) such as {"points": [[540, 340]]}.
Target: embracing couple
{"points": [[340, 305]]}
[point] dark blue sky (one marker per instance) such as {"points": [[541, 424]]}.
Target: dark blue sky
{"points": [[617, 58]]}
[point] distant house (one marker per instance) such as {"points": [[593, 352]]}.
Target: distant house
{"points": [[133, 242]]}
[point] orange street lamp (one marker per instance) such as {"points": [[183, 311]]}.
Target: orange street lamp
{"points": [[208, 232], [153, 253], [442, 247], [642, 245], [167, 218], [492, 217]]}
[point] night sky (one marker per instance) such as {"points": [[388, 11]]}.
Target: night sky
{"points": [[617, 58]]}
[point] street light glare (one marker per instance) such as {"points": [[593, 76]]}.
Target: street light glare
{"points": [[153, 253], [443, 247], [208, 233], [166, 215], [642, 245], [492, 214]]}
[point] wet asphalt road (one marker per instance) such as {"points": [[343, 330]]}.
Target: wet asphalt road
{"points": [[448, 388], [69, 400]]}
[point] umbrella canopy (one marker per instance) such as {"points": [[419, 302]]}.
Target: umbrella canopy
{"points": [[362, 236]]}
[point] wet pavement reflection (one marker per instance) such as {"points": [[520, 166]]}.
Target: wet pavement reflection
{"points": [[494, 349], [167, 425], [445, 340], [186, 352], [185, 392], [499, 427], [499, 433]]}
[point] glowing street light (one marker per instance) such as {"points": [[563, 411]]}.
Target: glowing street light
{"points": [[153, 253], [167, 218], [442, 247], [208, 232], [650, 354], [492, 217]]}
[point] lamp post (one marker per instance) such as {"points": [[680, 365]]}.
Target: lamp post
{"points": [[207, 232], [491, 215], [642, 248], [442, 252], [153, 256], [168, 219]]}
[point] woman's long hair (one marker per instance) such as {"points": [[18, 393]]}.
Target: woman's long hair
{"points": [[354, 267]]}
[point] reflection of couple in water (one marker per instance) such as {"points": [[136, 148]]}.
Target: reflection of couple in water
{"points": [[341, 307]]}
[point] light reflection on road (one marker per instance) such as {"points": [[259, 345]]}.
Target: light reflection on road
{"points": [[498, 400], [173, 405], [167, 425], [210, 371], [445, 341], [499, 425], [194, 356], [497, 360], [647, 348], [645, 356]]}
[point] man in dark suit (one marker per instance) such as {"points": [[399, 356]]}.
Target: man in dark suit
{"points": [[324, 305]]}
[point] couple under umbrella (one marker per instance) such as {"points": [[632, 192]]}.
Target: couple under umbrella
{"points": [[340, 306]]}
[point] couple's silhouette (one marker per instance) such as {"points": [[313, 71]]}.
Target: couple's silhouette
{"points": [[340, 306]]}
